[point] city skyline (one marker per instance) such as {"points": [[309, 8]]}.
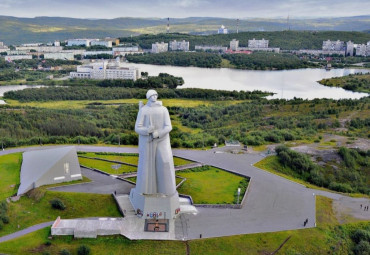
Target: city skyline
{"points": [[110, 9]]}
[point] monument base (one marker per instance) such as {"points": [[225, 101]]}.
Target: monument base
{"points": [[155, 206]]}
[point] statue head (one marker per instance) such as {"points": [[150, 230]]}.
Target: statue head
{"points": [[152, 95]]}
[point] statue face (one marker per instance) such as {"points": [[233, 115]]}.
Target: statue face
{"points": [[153, 98]]}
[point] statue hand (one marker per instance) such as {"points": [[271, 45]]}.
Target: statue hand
{"points": [[155, 134], [150, 129]]}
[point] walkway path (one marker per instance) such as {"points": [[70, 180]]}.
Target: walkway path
{"points": [[26, 231]]}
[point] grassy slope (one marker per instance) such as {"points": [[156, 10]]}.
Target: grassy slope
{"points": [[327, 238], [10, 166], [212, 186], [30, 211]]}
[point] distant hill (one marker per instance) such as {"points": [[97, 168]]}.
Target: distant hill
{"points": [[15, 30]]}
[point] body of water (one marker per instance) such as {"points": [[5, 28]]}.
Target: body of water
{"points": [[302, 83]]}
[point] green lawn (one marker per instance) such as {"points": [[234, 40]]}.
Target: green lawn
{"points": [[29, 211], [106, 166], [212, 186], [10, 167], [128, 158], [327, 238]]}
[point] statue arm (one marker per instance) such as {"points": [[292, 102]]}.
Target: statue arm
{"points": [[167, 127], [139, 125]]}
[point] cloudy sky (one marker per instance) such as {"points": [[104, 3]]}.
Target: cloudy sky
{"points": [[184, 8]]}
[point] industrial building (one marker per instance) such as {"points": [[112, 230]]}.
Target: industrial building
{"points": [[159, 47], [43, 167], [179, 46]]}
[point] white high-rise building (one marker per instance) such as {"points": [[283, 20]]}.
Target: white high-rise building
{"points": [[349, 48], [159, 47], [179, 46], [363, 49], [258, 43], [234, 45], [333, 45]]}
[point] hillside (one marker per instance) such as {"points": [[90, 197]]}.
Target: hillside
{"points": [[15, 30]]}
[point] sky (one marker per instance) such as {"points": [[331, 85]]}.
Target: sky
{"points": [[109, 9]]}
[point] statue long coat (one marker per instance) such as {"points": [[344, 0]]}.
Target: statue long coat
{"points": [[156, 173]]}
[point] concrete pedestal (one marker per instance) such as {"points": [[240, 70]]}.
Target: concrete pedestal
{"points": [[159, 206]]}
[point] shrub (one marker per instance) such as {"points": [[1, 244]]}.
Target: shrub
{"points": [[83, 250], [360, 235], [1, 225], [3, 206], [362, 248], [4, 219], [57, 204], [64, 252]]}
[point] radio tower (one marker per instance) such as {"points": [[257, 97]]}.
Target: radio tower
{"points": [[287, 22], [168, 25], [237, 26]]}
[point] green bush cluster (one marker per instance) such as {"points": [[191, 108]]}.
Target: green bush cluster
{"points": [[361, 238], [4, 219], [345, 179], [56, 203]]}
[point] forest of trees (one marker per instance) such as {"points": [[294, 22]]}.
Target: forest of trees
{"points": [[255, 61], [267, 61]]}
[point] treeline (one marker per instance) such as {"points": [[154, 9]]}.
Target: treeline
{"points": [[255, 61], [286, 40], [199, 59], [354, 177], [112, 93], [163, 80], [267, 61]]}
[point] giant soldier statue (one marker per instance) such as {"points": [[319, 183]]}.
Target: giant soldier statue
{"points": [[155, 194]]}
